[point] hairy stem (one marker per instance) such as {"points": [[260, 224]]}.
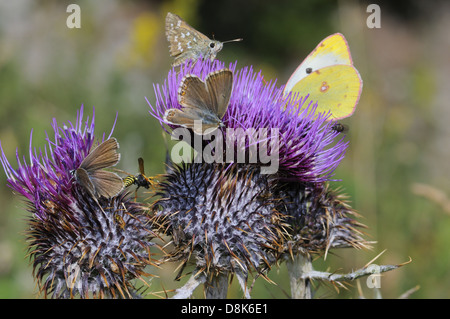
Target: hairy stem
{"points": [[187, 290]]}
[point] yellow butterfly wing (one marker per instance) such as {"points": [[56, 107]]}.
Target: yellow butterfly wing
{"points": [[328, 75], [336, 88], [335, 47]]}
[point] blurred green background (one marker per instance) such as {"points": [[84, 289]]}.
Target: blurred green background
{"points": [[397, 167]]}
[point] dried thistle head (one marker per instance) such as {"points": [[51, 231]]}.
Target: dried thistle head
{"points": [[319, 219], [223, 219], [90, 251]]}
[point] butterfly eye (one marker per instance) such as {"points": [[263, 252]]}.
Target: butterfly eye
{"points": [[308, 70], [212, 45]]}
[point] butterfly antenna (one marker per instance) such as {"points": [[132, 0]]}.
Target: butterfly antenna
{"points": [[234, 40]]}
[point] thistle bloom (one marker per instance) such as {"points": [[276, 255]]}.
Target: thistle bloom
{"points": [[80, 246], [231, 217], [303, 142]]}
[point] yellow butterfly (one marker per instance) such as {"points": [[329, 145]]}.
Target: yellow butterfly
{"points": [[329, 77]]}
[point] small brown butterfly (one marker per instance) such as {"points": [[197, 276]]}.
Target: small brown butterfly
{"points": [[186, 43], [91, 175], [205, 101]]}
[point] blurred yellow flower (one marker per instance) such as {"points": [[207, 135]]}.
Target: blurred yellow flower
{"points": [[145, 32]]}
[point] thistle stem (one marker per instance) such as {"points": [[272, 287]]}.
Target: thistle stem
{"points": [[217, 287], [297, 267], [187, 290]]}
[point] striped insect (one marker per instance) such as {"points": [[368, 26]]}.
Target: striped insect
{"points": [[140, 180]]}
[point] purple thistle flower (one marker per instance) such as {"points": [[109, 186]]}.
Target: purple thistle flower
{"points": [[48, 175], [79, 245], [304, 147]]}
